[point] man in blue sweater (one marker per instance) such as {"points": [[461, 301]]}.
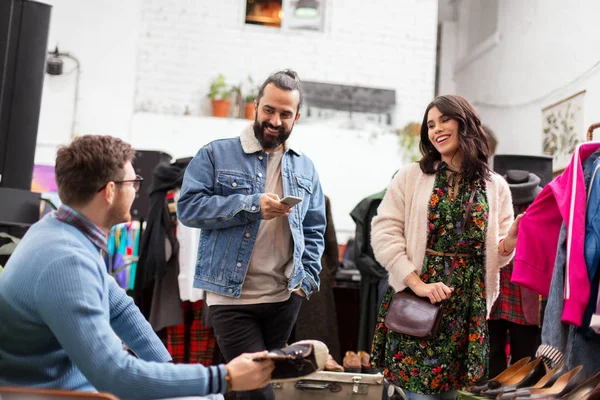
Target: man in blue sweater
{"points": [[64, 319]]}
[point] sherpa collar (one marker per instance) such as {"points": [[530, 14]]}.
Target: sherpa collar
{"points": [[251, 145]]}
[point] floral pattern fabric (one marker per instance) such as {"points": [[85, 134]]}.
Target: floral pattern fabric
{"points": [[458, 356]]}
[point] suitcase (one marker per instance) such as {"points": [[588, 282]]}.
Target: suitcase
{"points": [[332, 385]]}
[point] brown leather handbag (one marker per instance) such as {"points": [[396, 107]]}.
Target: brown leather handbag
{"points": [[412, 315]]}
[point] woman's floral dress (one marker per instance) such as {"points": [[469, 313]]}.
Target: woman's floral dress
{"points": [[458, 356]]}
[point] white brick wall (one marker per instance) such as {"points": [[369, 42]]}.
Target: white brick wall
{"points": [[381, 43]]}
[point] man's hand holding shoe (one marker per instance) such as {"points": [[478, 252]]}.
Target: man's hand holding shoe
{"points": [[243, 373]]}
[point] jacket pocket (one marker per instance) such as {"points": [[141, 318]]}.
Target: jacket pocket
{"points": [[228, 183], [304, 185]]}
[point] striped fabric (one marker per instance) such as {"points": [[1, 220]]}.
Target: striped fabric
{"points": [[550, 355]]}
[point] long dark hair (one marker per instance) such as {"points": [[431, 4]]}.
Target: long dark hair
{"points": [[472, 140]]}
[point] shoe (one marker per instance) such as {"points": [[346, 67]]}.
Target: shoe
{"points": [[365, 363], [547, 380], [527, 375], [564, 384], [585, 390], [595, 394], [298, 360], [332, 365], [351, 362], [501, 377]]}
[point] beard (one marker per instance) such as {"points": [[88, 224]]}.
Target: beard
{"points": [[269, 142], [118, 213]]}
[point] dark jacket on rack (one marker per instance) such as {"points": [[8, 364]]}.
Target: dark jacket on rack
{"points": [[317, 318], [158, 266], [372, 273]]}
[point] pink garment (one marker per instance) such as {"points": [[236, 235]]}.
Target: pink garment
{"points": [[563, 199]]}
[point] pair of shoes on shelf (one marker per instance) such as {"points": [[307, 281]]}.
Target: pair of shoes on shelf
{"points": [[526, 376], [358, 362], [552, 374], [498, 380], [588, 390], [565, 383], [297, 360]]}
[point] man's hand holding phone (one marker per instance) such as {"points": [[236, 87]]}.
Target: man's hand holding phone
{"points": [[271, 206]]}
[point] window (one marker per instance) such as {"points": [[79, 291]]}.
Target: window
{"points": [[290, 15], [264, 12]]}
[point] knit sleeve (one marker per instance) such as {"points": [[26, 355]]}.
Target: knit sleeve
{"points": [[505, 217], [132, 328], [387, 232], [70, 296]]}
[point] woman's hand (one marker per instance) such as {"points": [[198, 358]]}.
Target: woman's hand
{"points": [[508, 244], [435, 292], [514, 228]]}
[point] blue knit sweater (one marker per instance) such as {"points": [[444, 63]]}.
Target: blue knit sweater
{"points": [[62, 320]]}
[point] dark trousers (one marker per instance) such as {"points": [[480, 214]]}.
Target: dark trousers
{"points": [[252, 328], [524, 341]]}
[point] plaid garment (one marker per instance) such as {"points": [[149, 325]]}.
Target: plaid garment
{"points": [[88, 228], [191, 342], [508, 305]]}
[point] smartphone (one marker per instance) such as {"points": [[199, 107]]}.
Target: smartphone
{"points": [[291, 200]]}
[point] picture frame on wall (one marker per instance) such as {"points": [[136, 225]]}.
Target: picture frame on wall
{"points": [[563, 128]]}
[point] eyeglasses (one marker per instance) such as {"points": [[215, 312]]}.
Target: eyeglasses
{"points": [[137, 183]]}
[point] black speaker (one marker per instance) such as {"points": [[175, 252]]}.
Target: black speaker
{"points": [[23, 45], [539, 165], [144, 163]]}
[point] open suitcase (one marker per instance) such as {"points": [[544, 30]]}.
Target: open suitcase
{"points": [[332, 385]]}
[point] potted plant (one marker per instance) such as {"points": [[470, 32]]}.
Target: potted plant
{"points": [[250, 99], [219, 95], [408, 138]]}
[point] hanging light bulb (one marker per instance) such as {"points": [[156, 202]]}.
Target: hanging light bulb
{"points": [[307, 9]]}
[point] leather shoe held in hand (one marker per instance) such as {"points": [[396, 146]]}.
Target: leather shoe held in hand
{"points": [[298, 360], [527, 375], [497, 381]]}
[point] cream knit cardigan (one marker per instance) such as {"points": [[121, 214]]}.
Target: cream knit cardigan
{"points": [[399, 231]]}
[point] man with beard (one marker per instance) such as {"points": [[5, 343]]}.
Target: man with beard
{"points": [[63, 318], [258, 258]]}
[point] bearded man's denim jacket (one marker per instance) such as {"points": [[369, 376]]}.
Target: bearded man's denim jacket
{"points": [[220, 195]]}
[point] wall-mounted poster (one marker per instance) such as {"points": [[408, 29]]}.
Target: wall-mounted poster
{"points": [[563, 129]]}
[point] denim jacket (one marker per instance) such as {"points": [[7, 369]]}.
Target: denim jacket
{"points": [[220, 195]]}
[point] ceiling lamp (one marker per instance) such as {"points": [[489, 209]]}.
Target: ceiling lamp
{"points": [[307, 9]]}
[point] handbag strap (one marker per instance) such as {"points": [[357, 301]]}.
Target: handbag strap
{"points": [[463, 228]]}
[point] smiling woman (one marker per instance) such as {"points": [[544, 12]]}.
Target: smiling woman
{"points": [[430, 243], [451, 132]]}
